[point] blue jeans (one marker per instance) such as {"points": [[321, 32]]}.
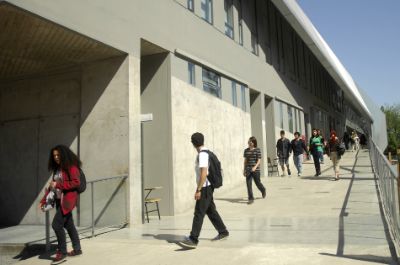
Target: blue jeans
{"points": [[321, 156], [298, 162]]}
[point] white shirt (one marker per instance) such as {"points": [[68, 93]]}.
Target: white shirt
{"points": [[201, 162]]}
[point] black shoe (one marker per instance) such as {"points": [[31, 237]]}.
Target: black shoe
{"points": [[74, 253], [264, 194], [289, 173], [221, 236], [250, 202], [188, 243]]}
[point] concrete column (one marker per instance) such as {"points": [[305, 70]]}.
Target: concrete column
{"points": [[135, 203], [257, 111]]}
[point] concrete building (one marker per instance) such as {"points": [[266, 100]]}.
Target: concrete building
{"points": [[81, 73]]}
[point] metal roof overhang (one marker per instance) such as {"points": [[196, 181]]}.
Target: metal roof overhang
{"points": [[310, 35]]}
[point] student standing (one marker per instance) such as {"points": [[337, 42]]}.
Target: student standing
{"points": [[298, 147], [283, 151], [252, 161], [204, 197]]}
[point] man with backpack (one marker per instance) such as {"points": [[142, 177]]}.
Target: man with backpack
{"points": [[208, 177]]}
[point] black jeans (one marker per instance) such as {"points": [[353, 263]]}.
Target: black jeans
{"points": [[61, 221], [205, 206], [317, 165], [256, 176]]}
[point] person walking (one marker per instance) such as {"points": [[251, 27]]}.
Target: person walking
{"points": [[252, 161], [298, 147], [283, 151], [204, 197], [356, 141], [64, 166], [321, 153], [346, 140], [333, 146], [315, 148]]}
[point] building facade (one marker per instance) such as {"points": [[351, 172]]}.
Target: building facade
{"points": [[82, 74]]}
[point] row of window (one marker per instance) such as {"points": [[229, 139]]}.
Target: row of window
{"points": [[282, 46], [211, 83], [207, 14]]}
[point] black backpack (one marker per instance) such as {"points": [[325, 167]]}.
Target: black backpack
{"points": [[341, 148], [82, 178], [214, 170]]}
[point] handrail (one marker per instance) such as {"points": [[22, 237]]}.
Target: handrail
{"points": [[389, 187], [93, 222]]}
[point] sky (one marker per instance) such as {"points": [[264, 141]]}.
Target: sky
{"points": [[365, 36]]}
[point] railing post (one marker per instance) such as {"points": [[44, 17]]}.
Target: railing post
{"points": [[47, 231], [92, 195]]}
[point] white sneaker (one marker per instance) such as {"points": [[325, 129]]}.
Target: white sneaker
{"points": [[299, 175]]}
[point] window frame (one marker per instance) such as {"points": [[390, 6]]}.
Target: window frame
{"points": [[234, 94], [190, 5], [209, 11], [243, 97], [229, 19], [208, 87], [191, 73]]}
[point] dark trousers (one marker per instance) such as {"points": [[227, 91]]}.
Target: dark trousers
{"points": [[205, 206], [249, 181], [316, 157], [61, 221]]}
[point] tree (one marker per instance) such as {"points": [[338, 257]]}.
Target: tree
{"points": [[392, 113]]}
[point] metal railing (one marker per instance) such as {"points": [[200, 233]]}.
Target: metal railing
{"points": [[114, 191], [389, 186]]}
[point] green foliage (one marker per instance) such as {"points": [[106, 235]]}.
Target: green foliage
{"points": [[392, 113]]}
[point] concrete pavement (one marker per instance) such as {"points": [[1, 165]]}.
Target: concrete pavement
{"points": [[307, 220]]}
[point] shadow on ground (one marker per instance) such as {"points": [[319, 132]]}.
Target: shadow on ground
{"points": [[367, 258]]}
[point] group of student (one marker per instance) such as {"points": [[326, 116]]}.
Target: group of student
{"points": [[317, 147], [65, 166]]}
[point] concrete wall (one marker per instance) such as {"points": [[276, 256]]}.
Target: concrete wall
{"points": [[36, 114], [226, 129], [156, 99], [84, 108], [104, 136]]}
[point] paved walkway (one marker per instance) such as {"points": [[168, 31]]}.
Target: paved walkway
{"points": [[308, 220]]}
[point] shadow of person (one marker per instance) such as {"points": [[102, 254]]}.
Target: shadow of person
{"points": [[233, 200], [170, 238], [36, 250]]}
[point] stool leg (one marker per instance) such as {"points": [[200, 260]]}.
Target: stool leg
{"points": [[147, 212], [158, 211]]}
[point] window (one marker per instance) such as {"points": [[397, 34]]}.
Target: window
{"points": [[290, 118], [254, 44], [240, 23], [243, 93], [234, 94], [207, 11], [212, 82], [228, 5], [296, 128], [281, 113], [190, 5], [191, 74]]}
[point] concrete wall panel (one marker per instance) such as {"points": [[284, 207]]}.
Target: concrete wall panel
{"points": [[226, 129]]}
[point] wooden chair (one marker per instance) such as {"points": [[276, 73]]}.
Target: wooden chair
{"points": [[272, 166], [148, 200]]}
